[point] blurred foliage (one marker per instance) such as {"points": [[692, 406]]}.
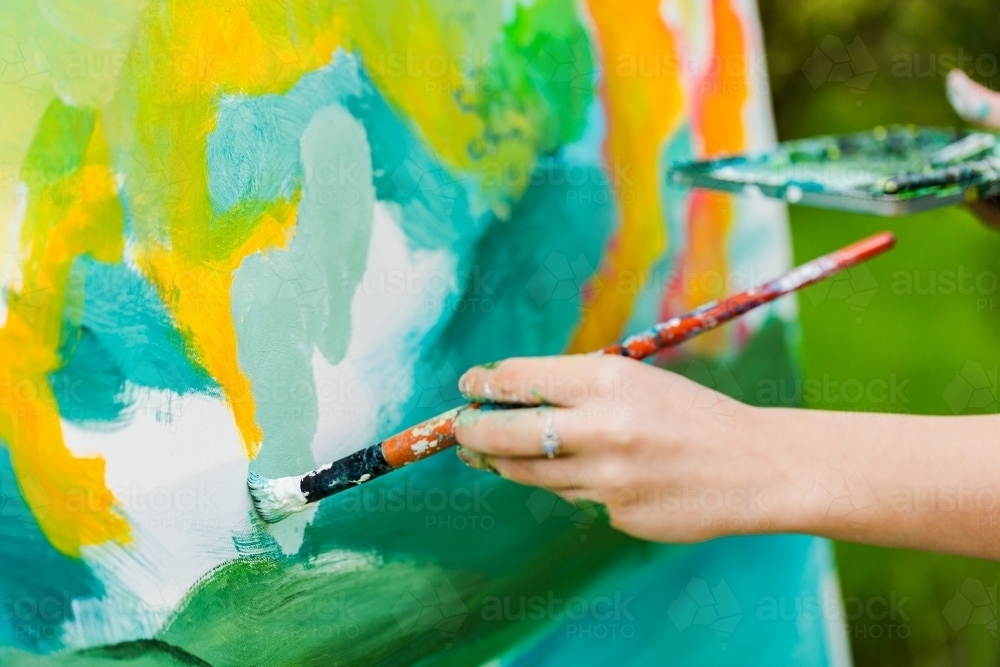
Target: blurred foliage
{"points": [[925, 340], [913, 44]]}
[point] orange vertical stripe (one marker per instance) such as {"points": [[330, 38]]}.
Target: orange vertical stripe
{"points": [[643, 102]]}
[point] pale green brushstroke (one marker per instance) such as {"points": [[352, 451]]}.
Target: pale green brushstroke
{"points": [[288, 303]]}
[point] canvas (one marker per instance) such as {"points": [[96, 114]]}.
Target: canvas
{"points": [[262, 234]]}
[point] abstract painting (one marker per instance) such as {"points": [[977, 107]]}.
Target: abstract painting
{"points": [[262, 234]]}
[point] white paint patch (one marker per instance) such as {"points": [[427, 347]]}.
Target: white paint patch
{"points": [[691, 25], [401, 296], [179, 476], [759, 248], [838, 647], [11, 276], [339, 560], [287, 491]]}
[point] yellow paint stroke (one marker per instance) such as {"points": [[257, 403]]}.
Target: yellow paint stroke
{"points": [[79, 213], [718, 117], [644, 103], [201, 50]]}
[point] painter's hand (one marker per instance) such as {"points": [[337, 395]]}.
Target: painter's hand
{"points": [[672, 461], [976, 104]]}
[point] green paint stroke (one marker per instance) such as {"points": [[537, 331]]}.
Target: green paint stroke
{"points": [[58, 149], [350, 608], [543, 69]]}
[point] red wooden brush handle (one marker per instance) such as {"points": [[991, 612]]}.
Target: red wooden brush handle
{"points": [[433, 435]]}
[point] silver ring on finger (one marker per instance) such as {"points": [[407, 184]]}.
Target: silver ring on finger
{"points": [[550, 439]]}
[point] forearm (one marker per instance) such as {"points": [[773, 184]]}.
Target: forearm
{"points": [[895, 480]]}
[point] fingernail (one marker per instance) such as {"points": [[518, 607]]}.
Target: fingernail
{"points": [[468, 417], [475, 460], [465, 383]]}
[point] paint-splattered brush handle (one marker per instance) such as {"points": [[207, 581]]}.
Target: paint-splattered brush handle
{"points": [[437, 434], [711, 315]]}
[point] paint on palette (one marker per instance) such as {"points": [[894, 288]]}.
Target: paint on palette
{"points": [[887, 171], [171, 215]]}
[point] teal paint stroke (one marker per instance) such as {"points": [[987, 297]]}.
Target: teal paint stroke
{"points": [[530, 273], [254, 154], [281, 301], [734, 601], [119, 338], [37, 583]]}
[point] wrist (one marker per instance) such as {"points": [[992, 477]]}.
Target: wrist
{"points": [[782, 465]]}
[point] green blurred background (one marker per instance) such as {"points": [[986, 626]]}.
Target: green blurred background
{"points": [[900, 319]]}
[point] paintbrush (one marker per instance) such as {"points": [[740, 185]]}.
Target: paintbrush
{"points": [[277, 498]]}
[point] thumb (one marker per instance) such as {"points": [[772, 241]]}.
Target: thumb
{"points": [[972, 101]]}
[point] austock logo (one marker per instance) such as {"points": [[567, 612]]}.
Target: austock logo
{"points": [[856, 287], [557, 63], [560, 279], [30, 300], [973, 605], [702, 605], [973, 389], [544, 504], [23, 64], [431, 604], [718, 391], [848, 498], [427, 174], [835, 62], [433, 386]]}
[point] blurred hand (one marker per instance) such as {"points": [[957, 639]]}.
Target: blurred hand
{"points": [[972, 101], [976, 104], [670, 459]]}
